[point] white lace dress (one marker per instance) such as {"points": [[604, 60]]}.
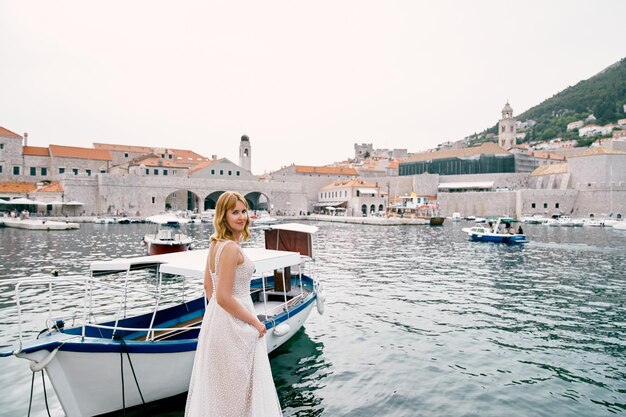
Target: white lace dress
{"points": [[231, 374]]}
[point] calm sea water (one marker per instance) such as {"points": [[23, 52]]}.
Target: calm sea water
{"points": [[419, 321]]}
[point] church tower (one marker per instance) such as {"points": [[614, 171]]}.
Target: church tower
{"points": [[245, 153], [506, 128]]}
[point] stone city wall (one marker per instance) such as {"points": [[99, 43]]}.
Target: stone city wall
{"points": [[510, 203], [589, 170], [145, 196]]}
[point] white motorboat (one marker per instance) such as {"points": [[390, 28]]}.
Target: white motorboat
{"points": [[167, 240], [167, 219], [495, 233], [37, 224], [109, 363]]}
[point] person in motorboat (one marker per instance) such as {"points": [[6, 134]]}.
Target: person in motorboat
{"points": [[231, 374]]}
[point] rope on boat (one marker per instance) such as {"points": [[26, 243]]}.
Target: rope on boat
{"points": [[124, 348], [45, 395]]}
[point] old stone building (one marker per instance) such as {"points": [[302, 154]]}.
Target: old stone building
{"points": [[353, 197]]}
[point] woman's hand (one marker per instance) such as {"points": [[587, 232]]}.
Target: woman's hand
{"points": [[261, 328]]}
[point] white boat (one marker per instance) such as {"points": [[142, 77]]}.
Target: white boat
{"points": [[532, 219], [493, 233], [456, 217], [620, 225], [106, 364], [167, 219], [167, 240], [104, 220], [263, 219], [563, 221], [37, 224]]}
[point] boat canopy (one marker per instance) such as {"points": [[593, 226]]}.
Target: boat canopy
{"points": [[192, 263], [292, 237], [264, 260], [330, 204]]}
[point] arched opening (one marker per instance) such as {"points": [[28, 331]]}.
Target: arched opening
{"points": [[381, 208], [257, 201], [372, 209], [211, 200], [182, 200], [364, 209]]}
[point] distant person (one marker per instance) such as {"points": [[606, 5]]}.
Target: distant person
{"points": [[520, 231], [231, 374]]}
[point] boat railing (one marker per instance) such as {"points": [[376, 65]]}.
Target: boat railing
{"points": [[307, 264], [87, 314]]}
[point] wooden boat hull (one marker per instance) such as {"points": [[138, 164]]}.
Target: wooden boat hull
{"points": [[160, 249]]}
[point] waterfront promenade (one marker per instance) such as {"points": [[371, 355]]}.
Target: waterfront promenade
{"points": [[373, 220]]}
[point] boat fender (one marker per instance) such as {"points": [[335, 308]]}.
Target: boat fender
{"points": [[282, 329], [38, 366], [319, 301]]}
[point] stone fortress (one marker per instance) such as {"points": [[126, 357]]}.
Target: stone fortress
{"points": [[490, 179]]}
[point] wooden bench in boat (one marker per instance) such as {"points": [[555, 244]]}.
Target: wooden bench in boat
{"points": [[167, 334]]}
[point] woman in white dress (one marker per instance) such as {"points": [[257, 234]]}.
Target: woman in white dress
{"points": [[231, 374]]}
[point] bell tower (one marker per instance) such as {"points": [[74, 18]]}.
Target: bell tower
{"points": [[245, 153], [506, 128]]}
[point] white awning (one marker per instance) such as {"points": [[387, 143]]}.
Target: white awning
{"points": [[22, 200], [465, 185], [368, 191], [329, 204]]}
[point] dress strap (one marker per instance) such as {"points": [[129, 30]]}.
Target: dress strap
{"points": [[220, 245]]}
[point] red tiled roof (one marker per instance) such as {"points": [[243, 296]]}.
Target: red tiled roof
{"points": [[181, 155], [201, 166], [53, 187], [17, 187], [356, 182], [155, 161], [6, 133], [189, 157], [550, 170], [548, 155], [124, 148], [302, 169], [36, 151], [599, 150], [79, 153]]}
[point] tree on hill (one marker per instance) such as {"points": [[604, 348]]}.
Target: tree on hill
{"points": [[603, 95]]}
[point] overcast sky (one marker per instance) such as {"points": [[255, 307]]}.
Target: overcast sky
{"points": [[304, 80]]}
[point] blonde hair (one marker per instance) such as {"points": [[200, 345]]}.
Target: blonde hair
{"points": [[227, 201]]}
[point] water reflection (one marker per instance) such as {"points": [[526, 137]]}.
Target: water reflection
{"points": [[299, 370], [419, 321]]}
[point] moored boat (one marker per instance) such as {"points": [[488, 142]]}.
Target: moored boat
{"points": [[38, 224], [167, 241], [167, 219], [104, 365], [619, 225]]}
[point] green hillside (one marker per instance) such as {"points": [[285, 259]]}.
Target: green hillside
{"points": [[603, 95]]}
